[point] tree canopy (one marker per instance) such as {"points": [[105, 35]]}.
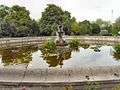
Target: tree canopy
{"points": [[4, 11], [51, 18], [15, 21], [18, 21]]}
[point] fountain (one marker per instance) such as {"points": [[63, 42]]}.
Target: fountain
{"points": [[56, 55]]}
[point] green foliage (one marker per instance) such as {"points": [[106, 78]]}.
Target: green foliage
{"points": [[95, 29], [74, 44], [34, 28], [85, 27], [116, 54], [67, 22], [75, 28], [104, 25], [117, 48], [20, 17], [6, 30], [51, 18], [4, 11], [15, 21], [15, 55], [116, 27], [57, 58], [49, 46]]}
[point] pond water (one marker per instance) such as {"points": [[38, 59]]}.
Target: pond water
{"points": [[33, 57]]}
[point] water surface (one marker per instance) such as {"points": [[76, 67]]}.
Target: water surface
{"points": [[32, 57]]}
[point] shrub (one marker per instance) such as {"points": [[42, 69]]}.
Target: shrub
{"points": [[74, 44], [117, 48], [49, 46]]}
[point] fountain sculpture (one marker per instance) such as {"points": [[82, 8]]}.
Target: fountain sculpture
{"points": [[60, 41]]}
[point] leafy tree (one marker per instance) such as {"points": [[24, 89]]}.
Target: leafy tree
{"points": [[51, 18], [85, 27], [4, 11], [4, 28], [73, 19], [104, 25], [7, 29], [100, 22], [116, 27], [75, 28], [34, 28], [67, 22], [20, 17], [95, 29]]}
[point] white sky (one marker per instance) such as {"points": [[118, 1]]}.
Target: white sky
{"points": [[81, 9]]}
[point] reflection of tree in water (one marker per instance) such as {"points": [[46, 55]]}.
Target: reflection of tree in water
{"points": [[17, 55], [57, 58], [85, 46], [96, 48]]}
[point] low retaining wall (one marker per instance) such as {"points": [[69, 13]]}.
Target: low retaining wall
{"points": [[103, 78], [103, 85], [109, 40]]}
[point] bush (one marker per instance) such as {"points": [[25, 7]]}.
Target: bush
{"points": [[74, 44], [117, 48], [49, 46]]}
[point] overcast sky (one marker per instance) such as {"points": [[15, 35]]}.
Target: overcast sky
{"points": [[81, 9]]}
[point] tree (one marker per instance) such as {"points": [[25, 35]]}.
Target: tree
{"points": [[34, 28], [51, 18], [67, 22], [104, 25], [21, 19], [4, 11], [95, 29], [75, 28], [7, 29], [116, 27], [85, 27]]}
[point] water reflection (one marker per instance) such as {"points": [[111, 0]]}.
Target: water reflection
{"points": [[57, 58], [85, 46], [14, 55], [62, 56], [96, 48]]}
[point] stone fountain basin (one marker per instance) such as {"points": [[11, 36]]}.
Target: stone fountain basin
{"points": [[53, 75], [85, 65]]}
